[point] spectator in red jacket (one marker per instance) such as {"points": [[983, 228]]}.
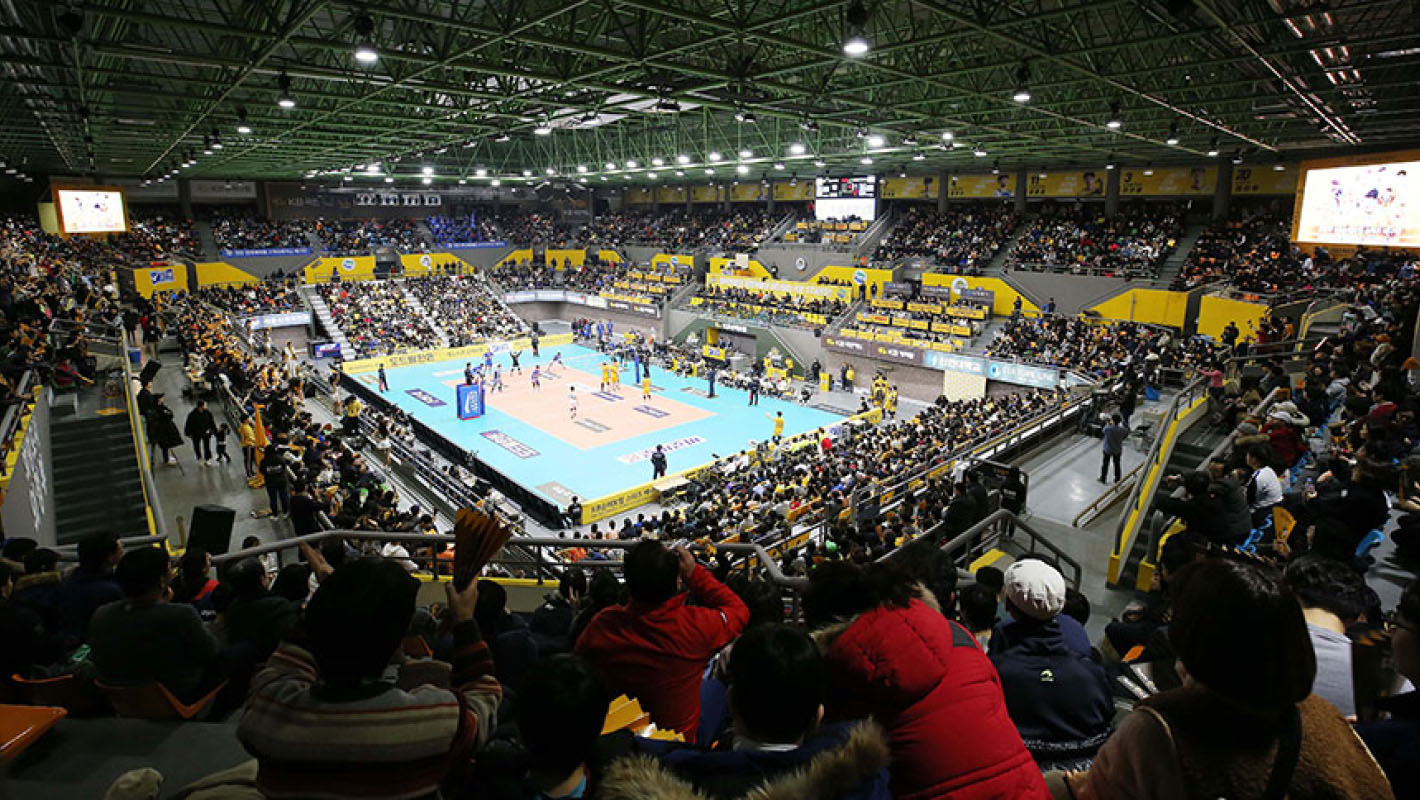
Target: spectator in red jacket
{"points": [[655, 647], [892, 656]]}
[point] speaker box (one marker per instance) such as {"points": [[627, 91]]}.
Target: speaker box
{"points": [[212, 528], [149, 370]]}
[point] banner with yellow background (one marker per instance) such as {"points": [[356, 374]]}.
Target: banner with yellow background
{"points": [[912, 188], [670, 194], [1168, 182], [1087, 183], [802, 190], [748, 192], [640, 195], [981, 186], [1255, 180], [705, 194]]}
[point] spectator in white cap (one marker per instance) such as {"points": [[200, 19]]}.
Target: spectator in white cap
{"points": [[1038, 596], [1059, 698]]}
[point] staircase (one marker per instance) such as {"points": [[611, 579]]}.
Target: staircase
{"points": [[867, 242], [210, 250], [424, 312], [1174, 263], [997, 264], [97, 484], [325, 320]]}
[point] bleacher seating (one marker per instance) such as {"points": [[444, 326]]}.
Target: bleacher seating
{"points": [[465, 307], [769, 307], [960, 241], [377, 317], [1085, 242], [235, 228]]}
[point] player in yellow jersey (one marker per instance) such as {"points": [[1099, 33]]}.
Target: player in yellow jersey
{"points": [[646, 388], [606, 375], [615, 383], [778, 419]]}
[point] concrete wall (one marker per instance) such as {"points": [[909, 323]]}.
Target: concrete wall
{"points": [[1072, 293], [482, 257], [262, 266]]}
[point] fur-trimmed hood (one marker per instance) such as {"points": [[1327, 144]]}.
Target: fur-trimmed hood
{"points": [[856, 768], [38, 579]]}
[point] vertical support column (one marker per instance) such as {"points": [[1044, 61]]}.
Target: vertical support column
{"points": [[1223, 192], [185, 197], [689, 190], [1021, 190], [263, 202], [942, 182], [1111, 192], [725, 197], [769, 201]]}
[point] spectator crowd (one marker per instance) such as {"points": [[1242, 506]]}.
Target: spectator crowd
{"points": [[1132, 244], [959, 241]]}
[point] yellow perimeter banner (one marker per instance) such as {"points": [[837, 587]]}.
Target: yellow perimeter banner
{"points": [[640, 195], [978, 187], [1264, 180], [705, 194], [803, 190], [669, 261], [363, 365], [1169, 182], [913, 188], [349, 268], [220, 273], [670, 194], [416, 264], [748, 192], [1086, 183]]}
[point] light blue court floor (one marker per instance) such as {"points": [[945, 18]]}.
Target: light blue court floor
{"points": [[531, 436]]}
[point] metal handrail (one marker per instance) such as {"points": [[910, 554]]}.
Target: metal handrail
{"points": [[1153, 461], [157, 520], [1107, 498], [988, 531], [70, 552], [767, 562]]}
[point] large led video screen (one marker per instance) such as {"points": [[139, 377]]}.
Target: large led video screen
{"points": [[1369, 205], [846, 198], [91, 210]]}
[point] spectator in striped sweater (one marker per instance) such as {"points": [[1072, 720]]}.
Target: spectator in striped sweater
{"points": [[324, 721]]}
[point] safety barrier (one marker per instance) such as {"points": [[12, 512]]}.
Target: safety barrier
{"points": [[995, 529], [1179, 416], [157, 524]]}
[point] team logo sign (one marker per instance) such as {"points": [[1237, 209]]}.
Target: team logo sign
{"points": [[425, 261], [348, 265], [860, 277]]}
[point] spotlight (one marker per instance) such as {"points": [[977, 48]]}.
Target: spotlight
{"points": [[947, 136], [388, 179], [527, 173], [979, 152], [502, 137], [651, 175], [682, 159], [855, 23], [778, 166], [709, 171], [876, 140], [427, 171], [1173, 134], [1279, 166], [909, 141], [550, 171], [1022, 93], [797, 148], [865, 160], [818, 162], [658, 162], [1213, 147], [581, 168], [216, 140], [1109, 163], [426, 180], [543, 129], [996, 167], [1237, 157], [610, 166], [714, 155], [284, 98], [742, 169], [1114, 123], [365, 51], [480, 173], [746, 153], [495, 182], [809, 125], [918, 157], [631, 163], [1149, 170]]}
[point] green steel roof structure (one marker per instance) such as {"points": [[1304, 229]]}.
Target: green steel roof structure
{"points": [[585, 89]]}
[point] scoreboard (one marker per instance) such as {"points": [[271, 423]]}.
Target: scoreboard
{"points": [[835, 188], [846, 198]]}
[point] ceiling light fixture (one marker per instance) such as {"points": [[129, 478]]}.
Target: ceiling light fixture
{"points": [[543, 129], [742, 169], [1172, 139], [746, 153], [243, 127], [682, 159], [797, 149], [1114, 123], [502, 137], [714, 155], [1022, 93], [581, 168], [876, 140], [365, 51], [865, 160], [631, 163], [284, 98], [658, 162], [855, 23], [947, 136], [1213, 147]]}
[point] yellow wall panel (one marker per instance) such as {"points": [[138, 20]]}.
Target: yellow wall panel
{"points": [[1214, 314], [212, 273]]}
